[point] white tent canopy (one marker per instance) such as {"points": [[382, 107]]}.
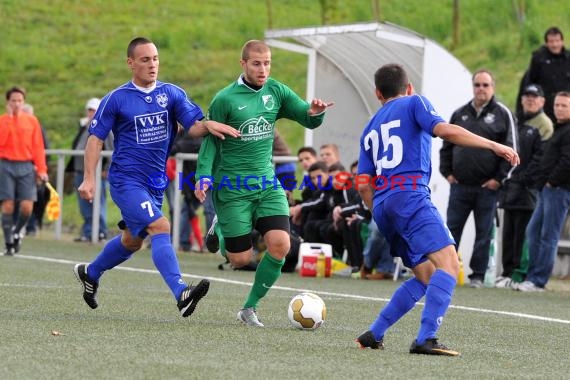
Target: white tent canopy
{"points": [[342, 61]]}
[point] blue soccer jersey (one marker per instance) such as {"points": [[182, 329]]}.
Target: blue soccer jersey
{"points": [[144, 127], [395, 147]]}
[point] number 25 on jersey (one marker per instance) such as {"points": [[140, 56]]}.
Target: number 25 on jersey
{"points": [[383, 159]]}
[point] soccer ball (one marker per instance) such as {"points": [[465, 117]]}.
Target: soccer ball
{"points": [[307, 311]]}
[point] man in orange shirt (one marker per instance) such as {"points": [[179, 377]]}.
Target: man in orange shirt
{"points": [[22, 159]]}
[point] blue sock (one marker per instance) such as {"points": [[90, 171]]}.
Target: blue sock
{"points": [[402, 301], [438, 296], [113, 254], [165, 261]]}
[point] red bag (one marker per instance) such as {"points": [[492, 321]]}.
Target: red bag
{"points": [[171, 168]]}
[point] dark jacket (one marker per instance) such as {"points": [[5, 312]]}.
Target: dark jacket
{"points": [[342, 197], [75, 164], [317, 207], [552, 73], [519, 191], [471, 166], [555, 163], [525, 81]]}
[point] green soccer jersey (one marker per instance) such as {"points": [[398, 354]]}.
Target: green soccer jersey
{"points": [[253, 113]]}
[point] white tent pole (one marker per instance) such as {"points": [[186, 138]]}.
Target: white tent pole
{"points": [[311, 83]]}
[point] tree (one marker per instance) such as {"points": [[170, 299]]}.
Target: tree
{"points": [[456, 32], [376, 10], [269, 4], [329, 11], [519, 7]]}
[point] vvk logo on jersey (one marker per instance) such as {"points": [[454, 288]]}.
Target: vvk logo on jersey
{"points": [[268, 102], [162, 100], [152, 127], [255, 129]]}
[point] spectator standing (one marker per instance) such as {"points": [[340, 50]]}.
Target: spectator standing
{"points": [[517, 197], [550, 67], [532, 106], [22, 161], [475, 175], [76, 166], [543, 230], [530, 112]]}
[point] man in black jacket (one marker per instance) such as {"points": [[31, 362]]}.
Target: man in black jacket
{"points": [[475, 175], [550, 67], [543, 230], [518, 199]]}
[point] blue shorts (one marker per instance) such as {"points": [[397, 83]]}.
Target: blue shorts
{"points": [[139, 205], [413, 226]]}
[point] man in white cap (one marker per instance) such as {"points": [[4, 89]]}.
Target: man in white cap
{"points": [[76, 166]]}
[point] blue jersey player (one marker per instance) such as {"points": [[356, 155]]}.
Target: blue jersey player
{"points": [[395, 151], [143, 115]]}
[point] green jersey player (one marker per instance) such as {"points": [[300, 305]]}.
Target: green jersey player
{"points": [[245, 191]]}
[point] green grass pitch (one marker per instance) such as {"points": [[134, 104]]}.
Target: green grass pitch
{"points": [[48, 332]]}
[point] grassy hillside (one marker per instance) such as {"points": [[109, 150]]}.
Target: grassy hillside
{"points": [[65, 51]]}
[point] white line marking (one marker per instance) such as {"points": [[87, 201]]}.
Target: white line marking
{"points": [[343, 295]]}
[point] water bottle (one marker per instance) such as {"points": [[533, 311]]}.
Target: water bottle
{"points": [[461, 274], [490, 274], [321, 264]]}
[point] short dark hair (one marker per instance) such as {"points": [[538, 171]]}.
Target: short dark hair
{"points": [[319, 165], [391, 80], [308, 149], [354, 164], [134, 43], [15, 89], [553, 31]]}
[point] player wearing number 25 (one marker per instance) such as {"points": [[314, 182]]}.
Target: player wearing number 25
{"points": [[144, 115], [397, 142]]}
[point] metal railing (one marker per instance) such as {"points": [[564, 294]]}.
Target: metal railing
{"points": [[59, 183], [62, 154]]}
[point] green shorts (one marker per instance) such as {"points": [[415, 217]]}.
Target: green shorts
{"points": [[239, 210]]}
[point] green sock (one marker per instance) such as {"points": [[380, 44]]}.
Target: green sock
{"points": [[520, 273], [221, 242], [267, 273]]}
